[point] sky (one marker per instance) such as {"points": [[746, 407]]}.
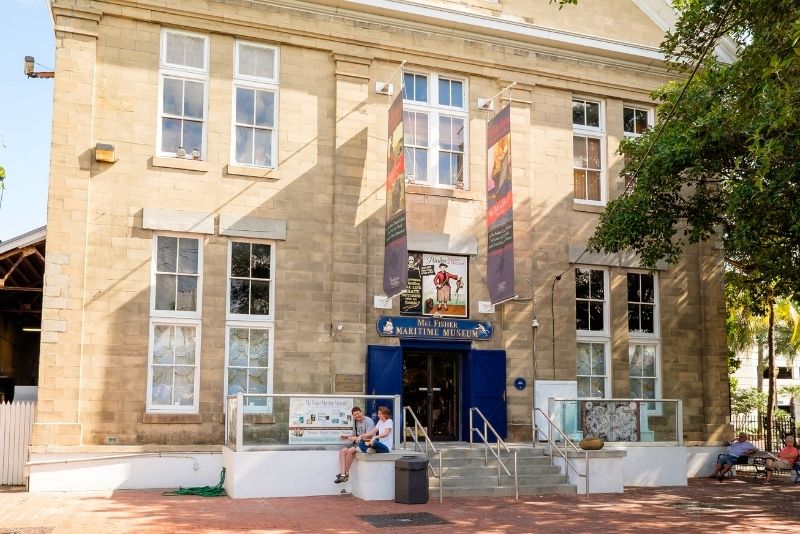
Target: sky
{"points": [[26, 106]]}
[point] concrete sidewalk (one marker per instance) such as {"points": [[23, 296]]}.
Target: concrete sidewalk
{"points": [[704, 506]]}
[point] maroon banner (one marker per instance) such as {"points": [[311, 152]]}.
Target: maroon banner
{"points": [[499, 212], [395, 254]]}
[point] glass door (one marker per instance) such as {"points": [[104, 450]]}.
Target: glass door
{"points": [[430, 388]]}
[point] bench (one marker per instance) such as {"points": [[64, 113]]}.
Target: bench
{"points": [[373, 476], [760, 467]]}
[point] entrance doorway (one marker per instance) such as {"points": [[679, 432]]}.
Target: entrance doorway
{"points": [[430, 388]]}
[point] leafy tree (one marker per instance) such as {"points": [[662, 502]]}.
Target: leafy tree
{"points": [[747, 400]]}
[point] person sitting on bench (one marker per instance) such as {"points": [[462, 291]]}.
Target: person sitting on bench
{"points": [[786, 458], [739, 450]]}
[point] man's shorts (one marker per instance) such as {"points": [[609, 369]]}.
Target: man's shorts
{"points": [[728, 459]]}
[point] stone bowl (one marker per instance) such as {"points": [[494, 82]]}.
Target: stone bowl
{"points": [[591, 444]]}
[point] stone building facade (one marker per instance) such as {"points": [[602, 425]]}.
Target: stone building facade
{"points": [[145, 297]]}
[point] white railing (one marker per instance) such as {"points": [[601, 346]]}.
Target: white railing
{"points": [[568, 444], [16, 424], [415, 432], [262, 421], [485, 438]]}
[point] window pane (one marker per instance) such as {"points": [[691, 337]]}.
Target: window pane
{"points": [[162, 386], [260, 298], [245, 106], [593, 153], [446, 141], [593, 114], [641, 121], [635, 361], [647, 321], [634, 293], [633, 317], [598, 284], [260, 261], [244, 145], [648, 288], [598, 386], [259, 348], [582, 315], [456, 94], [648, 360], [582, 283], [593, 185], [257, 380], [579, 152], [240, 296], [193, 100], [185, 50], [408, 86], [596, 316], [162, 344], [421, 129], [580, 184], [192, 135], [420, 88], [445, 169], [265, 109], [165, 291], [578, 113], [173, 96], [170, 135], [584, 359], [185, 345], [262, 148], [458, 167], [184, 385], [187, 256], [444, 92], [458, 134], [240, 259], [636, 388], [628, 120], [598, 359], [237, 381], [421, 165], [648, 388], [237, 347], [187, 293], [166, 254], [256, 61]]}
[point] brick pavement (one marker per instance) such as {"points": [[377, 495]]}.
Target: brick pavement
{"points": [[704, 506]]}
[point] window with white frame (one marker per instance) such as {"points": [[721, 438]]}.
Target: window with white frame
{"points": [[591, 325], [435, 136], [255, 100], [173, 360], [644, 343], [250, 324], [183, 94], [588, 143], [635, 121]]}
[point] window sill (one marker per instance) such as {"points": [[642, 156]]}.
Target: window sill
{"points": [[252, 172], [588, 208], [172, 418], [180, 163], [415, 189]]}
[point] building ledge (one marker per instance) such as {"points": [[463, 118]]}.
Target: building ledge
{"points": [[179, 163]]}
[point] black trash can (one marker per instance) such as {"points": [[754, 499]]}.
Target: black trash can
{"points": [[411, 480]]}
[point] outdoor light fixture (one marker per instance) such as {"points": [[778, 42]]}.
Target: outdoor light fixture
{"points": [[31, 329], [30, 73], [104, 152]]}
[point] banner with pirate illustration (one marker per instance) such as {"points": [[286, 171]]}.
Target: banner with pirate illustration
{"points": [[499, 213], [437, 285], [395, 238]]}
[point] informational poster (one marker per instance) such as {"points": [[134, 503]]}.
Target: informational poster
{"points": [[316, 420], [499, 212], [437, 285], [395, 237]]}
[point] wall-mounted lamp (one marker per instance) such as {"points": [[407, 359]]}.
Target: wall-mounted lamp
{"points": [[31, 329], [104, 152], [29, 72]]}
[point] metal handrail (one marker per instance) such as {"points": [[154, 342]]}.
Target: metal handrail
{"points": [[418, 427], [550, 426], [484, 436]]}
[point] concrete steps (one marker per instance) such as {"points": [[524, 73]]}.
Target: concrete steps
{"points": [[466, 473]]}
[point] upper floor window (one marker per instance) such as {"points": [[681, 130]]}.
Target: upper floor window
{"points": [[183, 94], [255, 86], [176, 276], [435, 137], [590, 301], [588, 141], [250, 287], [642, 302], [636, 121]]}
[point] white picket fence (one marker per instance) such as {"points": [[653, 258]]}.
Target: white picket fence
{"points": [[16, 423]]}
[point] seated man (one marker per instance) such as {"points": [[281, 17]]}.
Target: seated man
{"points": [[738, 450], [786, 458], [362, 426]]}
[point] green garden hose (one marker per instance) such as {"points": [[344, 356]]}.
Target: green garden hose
{"points": [[203, 491]]}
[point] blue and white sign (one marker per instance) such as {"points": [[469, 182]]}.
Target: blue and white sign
{"points": [[434, 328]]}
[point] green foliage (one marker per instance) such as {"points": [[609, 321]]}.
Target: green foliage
{"points": [[729, 158], [744, 401]]}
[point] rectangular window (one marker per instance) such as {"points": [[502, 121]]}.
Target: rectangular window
{"points": [[588, 144], [255, 99], [434, 129], [183, 94], [643, 369], [641, 304], [635, 122], [591, 325], [250, 325], [643, 329], [175, 304]]}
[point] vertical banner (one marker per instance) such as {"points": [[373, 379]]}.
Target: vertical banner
{"points": [[395, 254], [499, 213]]}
